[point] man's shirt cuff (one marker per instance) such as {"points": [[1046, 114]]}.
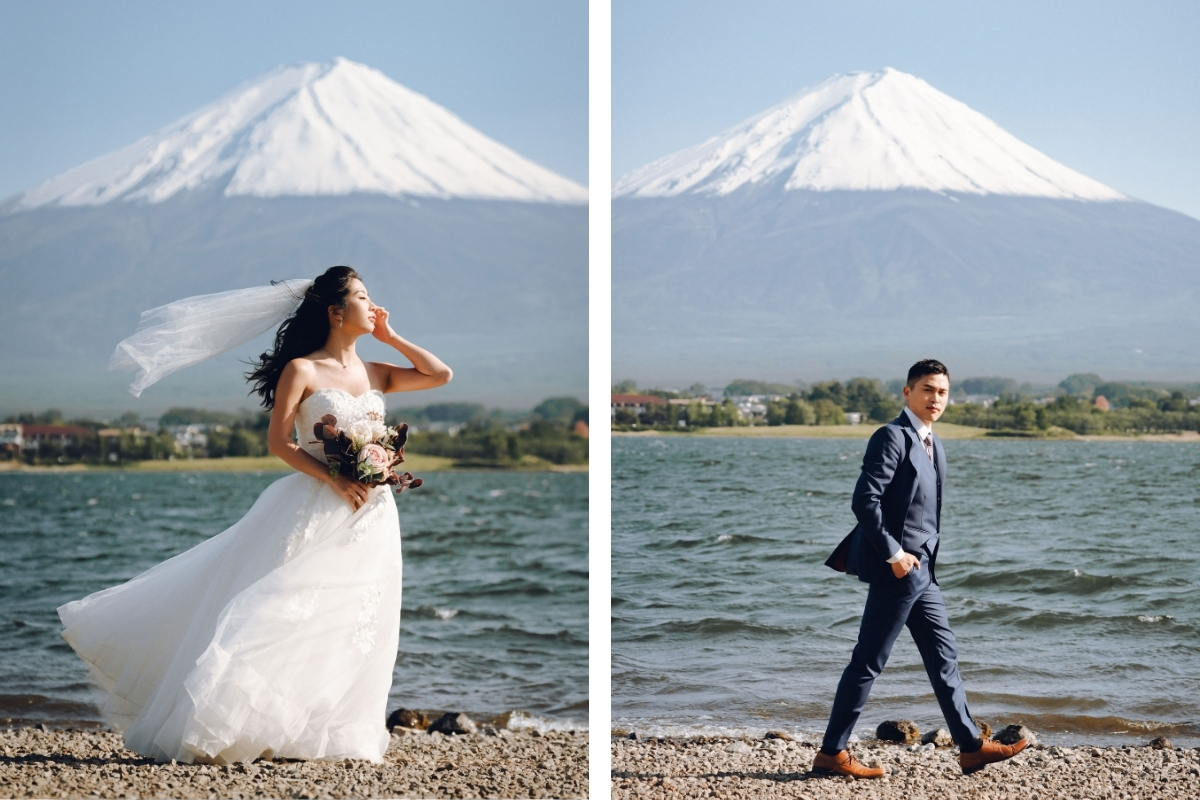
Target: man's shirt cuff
{"points": [[896, 556]]}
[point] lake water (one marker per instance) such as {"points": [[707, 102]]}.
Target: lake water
{"points": [[495, 582], [1071, 572]]}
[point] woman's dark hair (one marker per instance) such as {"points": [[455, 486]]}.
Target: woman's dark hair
{"points": [[303, 332]]}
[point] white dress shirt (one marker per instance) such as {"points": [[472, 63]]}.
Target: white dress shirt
{"points": [[923, 431]]}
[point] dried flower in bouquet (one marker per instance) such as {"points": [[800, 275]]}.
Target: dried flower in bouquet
{"points": [[367, 451]]}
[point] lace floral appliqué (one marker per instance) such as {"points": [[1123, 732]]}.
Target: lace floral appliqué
{"points": [[371, 517], [300, 606], [364, 631]]}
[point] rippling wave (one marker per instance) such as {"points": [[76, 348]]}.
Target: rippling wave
{"points": [[1070, 571], [494, 615]]}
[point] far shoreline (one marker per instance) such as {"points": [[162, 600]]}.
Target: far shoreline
{"points": [[944, 430], [413, 462]]}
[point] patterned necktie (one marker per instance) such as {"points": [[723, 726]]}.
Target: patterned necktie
{"points": [[929, 445]]}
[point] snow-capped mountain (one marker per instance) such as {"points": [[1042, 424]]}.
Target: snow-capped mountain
{"points": [[865, 131], [873, 221], [314, 129], [480, 254]]}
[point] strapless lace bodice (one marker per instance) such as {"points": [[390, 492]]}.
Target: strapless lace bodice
{"points": [[346, 407]]}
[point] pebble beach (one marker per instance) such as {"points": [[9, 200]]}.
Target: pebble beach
{"points": [[499, 763], [770, 768]]}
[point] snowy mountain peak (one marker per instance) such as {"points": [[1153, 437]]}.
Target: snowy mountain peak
{"points": [[312, 129], [865, 131]]}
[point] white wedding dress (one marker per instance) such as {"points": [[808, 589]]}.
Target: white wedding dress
{"points": [[276, 637]]}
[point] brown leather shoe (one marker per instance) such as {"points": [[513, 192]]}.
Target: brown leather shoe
{"points": [[990, 753], [844, 764]]}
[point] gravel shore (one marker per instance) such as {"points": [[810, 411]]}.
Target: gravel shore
{"points": [[36, 763], [744, 768]]}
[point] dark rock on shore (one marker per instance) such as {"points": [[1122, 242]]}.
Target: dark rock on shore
{"points": [[938, 738], [452, 725], [778, 735], [407, 718], [1015, 733], [985, 730], [904, 730], [1162, 743]]}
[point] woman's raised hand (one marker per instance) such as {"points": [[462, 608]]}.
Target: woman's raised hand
{"points": [[355, 493], [382, 330]]}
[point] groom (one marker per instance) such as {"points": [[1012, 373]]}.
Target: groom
{"points": [[898, 504]]}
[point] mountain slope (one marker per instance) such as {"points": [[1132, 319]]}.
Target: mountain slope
{"points": [[865, 131], [479, 254], [873, 221], [314, 129], [813, 284], [496, 289]]}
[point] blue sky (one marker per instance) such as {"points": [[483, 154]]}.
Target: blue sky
{"points": [[79, 79], [1109, 89]]}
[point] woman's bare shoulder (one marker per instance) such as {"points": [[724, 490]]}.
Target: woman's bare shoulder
{"points": [[300, 370]]}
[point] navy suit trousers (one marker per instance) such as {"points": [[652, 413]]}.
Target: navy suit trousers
{"points": [[892, 603]]}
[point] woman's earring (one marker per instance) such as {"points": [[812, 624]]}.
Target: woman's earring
{"points": [[339, 323]]}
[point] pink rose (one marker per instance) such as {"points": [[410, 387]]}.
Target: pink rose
{"points": [[375, 457]]}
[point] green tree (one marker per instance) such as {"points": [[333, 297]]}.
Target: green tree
{"points": [[625, 387], [987, 386], [1176, 402], [243, 442], [558, 409], [1025, 416], [799, 412], [828, 413], [744, 387], [1083, 384], [833, 391]]}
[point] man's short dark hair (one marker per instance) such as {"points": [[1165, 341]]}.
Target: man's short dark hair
{"points": [[929, 366]]}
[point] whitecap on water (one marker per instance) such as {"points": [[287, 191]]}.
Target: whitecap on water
{"points": [[93, 501], [524, 721], [8, 501], [1155, 618], [496, 493], [725, 537], [445, 613]]}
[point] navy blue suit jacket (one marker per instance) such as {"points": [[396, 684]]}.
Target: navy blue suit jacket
{"points": [[897, 502]]}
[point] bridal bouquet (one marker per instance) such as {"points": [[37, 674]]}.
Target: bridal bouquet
{"points": [[367, 451]]}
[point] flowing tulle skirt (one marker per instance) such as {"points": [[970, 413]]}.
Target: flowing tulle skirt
{"points": [[276, 637]]}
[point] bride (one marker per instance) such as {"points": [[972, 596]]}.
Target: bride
{"points": [[278, 636]]}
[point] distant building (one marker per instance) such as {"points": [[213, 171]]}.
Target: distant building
{"points": [[637, 403], [984, 400], [15, 438], [854, 417], [11, 439], [581, 428], [687, 401], [190, 435], [1101, 402]]}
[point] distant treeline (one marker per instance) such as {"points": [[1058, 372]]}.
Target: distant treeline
{"points": [[476, 436], [825, 403], [1003, 404], [494, 439], [1081, 415]]}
